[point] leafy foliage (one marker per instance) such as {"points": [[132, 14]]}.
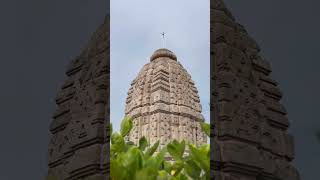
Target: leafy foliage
{"points": [[142, 162], [206, 128], [126, 126]]}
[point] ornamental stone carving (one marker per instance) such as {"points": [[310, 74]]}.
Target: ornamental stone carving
{"points": [[164, 102], [78, 145], [249, 133]]}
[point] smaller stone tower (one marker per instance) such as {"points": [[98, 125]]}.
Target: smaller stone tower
{"points": [[164, 102]]}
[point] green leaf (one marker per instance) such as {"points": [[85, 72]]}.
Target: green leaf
{"points": [[134, 159], [177, 167], [200, 157], [168, 166], [143, 143], [131, 161], [129, 145], [160, 158], [126, 126], [151, 162], [192, 169], [152, 149], [117, 142], [146, 174], [176, 149], [156, 161], [162, 175], [117, 171], [205, 128], [182, 177]]}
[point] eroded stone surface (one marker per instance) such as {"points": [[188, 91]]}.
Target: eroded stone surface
{"points": [[164, 102], [250, 139], [77, 149]]}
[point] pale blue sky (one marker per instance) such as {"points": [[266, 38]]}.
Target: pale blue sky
{"points": [[136, 28]]}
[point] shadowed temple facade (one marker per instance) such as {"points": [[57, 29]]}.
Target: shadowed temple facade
{"points": [[249, 138], [79, 142]]}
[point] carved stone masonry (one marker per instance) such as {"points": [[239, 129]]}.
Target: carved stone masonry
{"points": [[78, 145], [164, 102], [249, 137]]}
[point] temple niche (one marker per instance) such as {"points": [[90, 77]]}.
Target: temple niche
{"points": [[249, 134], [164, 103]]}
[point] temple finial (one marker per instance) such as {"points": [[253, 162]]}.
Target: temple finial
{"points": [[164, 39]]}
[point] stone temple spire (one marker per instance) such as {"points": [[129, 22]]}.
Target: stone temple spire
{"points": [[78, 143], [249, 140], [164, 102]]}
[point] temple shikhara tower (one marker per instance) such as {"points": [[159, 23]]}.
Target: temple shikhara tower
{"points": [[164, 102], [78, 145], [249, 133]]}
